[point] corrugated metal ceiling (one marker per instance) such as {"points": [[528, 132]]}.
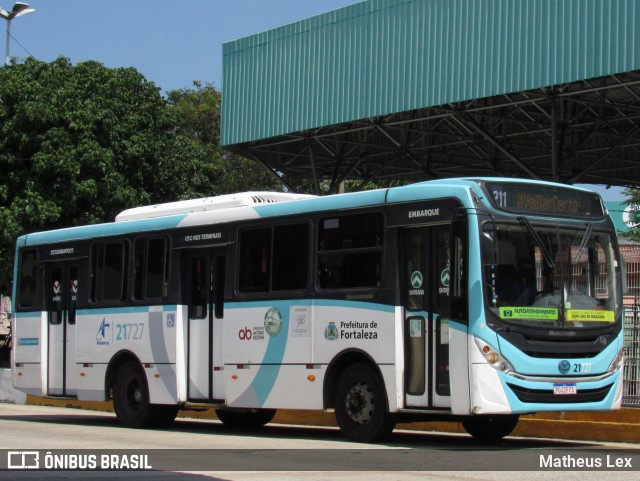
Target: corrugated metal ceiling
{"points": [[433, 88]]}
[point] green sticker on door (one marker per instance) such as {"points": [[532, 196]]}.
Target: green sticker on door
{"points": [[445, 278], [416, 282]]}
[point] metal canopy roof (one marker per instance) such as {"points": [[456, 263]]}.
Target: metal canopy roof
{"points": [[421, 89]]}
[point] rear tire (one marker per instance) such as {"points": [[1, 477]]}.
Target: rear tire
{"points": [[249, 418], [361, 405], [131, 400], [131, 396], [490, 427]]}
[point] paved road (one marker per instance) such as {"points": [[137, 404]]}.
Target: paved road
{"points": [[195, 450]]}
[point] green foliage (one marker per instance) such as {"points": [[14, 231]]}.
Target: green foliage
{"points": [[633, 199], [198, 111], [78, 144]]}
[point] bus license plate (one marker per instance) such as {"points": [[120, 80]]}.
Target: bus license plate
{"points": [[563, 389]]}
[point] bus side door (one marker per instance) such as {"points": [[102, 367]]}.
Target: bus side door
{"points": [[425, 260], [62, 293], [205, 301]]}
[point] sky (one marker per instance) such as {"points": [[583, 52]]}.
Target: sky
{"points": [[171, 43]]}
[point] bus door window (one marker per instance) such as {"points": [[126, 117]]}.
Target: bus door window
{"points": [[73, 294], [206, 286], [415, 324], [441, 301], [63, 294], [218, 286], [56, 282], [199, 289]]}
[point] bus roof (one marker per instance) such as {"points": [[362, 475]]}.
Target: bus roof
{"points": [[255, 205]]}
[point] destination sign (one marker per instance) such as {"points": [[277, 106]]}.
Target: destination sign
{"points": [[544, 200]]}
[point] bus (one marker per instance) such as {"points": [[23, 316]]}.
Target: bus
{"points": [[472, 300]]}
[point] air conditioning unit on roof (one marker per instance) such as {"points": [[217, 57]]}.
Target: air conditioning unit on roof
{"points": [[243, 199]]}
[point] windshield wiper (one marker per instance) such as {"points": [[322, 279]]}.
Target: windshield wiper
{"points": [[547, 255], [583, 242]]}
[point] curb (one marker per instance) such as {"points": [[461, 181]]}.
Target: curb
{"points": [[7, 393], [621, 426]]}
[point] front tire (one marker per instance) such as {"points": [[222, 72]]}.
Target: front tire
{"points": [[361, 405], [490, 427]]}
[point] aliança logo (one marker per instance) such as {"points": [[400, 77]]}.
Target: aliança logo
{"points": [[101, 336]]}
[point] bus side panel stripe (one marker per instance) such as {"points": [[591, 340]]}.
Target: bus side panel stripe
{"points": [[267, 375]]}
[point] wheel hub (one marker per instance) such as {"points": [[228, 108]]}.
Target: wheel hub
{"points": [[134, 395], [360, 403], [137, 395]]}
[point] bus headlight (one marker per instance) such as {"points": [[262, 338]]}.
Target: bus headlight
{"points": [[617, 363], [493, 357]]}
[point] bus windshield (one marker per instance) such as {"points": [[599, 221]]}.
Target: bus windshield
{"points": [[549, 275]]}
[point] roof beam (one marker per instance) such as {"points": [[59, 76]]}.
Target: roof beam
{"points": [[471, 123], [576, 178]]}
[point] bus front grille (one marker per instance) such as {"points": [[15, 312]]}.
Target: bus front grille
{"points": [[547, 396]]}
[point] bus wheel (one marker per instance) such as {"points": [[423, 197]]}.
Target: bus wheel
{"points": [[361, 405], [131, 396], [490, 427], [245, 418]]}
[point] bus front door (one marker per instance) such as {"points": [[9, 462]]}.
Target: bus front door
{"points": [[426, 260], [62, 294], [205, 301]]}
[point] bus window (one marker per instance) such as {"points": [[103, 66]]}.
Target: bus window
{"points": [[290, 257], [350, 251], [28, 276], [274, 259], [255, 257], [138, 268], [150, 269], [108, 272]]}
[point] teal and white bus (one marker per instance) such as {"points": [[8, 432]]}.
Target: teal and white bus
{"points": [[471, 300]]}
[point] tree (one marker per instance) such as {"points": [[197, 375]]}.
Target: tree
{"points": [[78, 144], [633, 200], [198, 111]]}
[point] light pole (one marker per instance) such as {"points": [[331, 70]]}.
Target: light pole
{"points": [[19, 8]]}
